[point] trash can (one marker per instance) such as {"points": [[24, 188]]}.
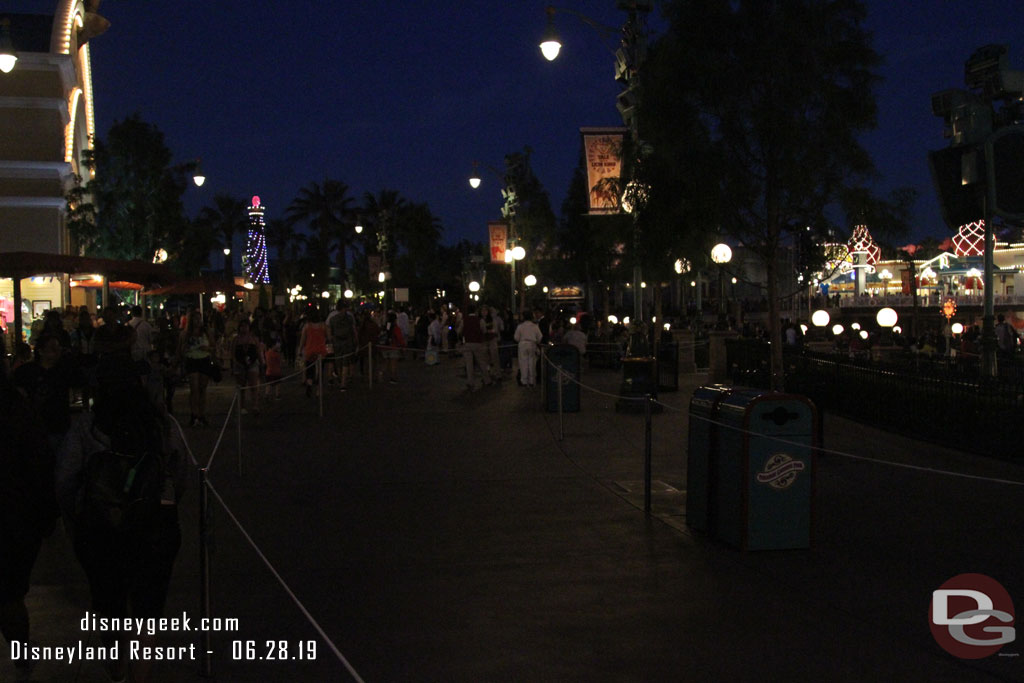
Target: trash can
{"points": [[764, 470], [639, 379], [701, 453], [668, 366], [566, 357]]}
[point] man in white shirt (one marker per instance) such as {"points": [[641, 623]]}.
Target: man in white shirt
{"points": [[528, 336], [143, 334]]}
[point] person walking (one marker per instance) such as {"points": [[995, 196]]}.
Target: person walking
{"points": [[344, 335], [528, 336], [392, 341], [195, 352], [143, 341], [471, 329], [245, 366], [313, 344]]}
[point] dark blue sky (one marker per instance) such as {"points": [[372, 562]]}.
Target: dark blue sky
{"points": [[405, 95]]}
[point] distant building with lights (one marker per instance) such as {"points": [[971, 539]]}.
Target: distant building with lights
{"points": [[257, 268]]}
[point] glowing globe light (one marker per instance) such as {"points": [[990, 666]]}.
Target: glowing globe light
{"points": [[803, 328], [518, 253], [820, 318], [572, 320], [613, 320], [530, 280], [349, 294], [721, 253], [326, 295], [957, 328], [897, 329], [837, 329], [359, 228], [381, 277], [474, 286], [474, 181], [863, 334], [550, 49], [625, 321], [855, 326], [886, 317], [509, 258]]}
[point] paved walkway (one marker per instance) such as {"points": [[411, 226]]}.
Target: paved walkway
{"points": [[441, 535]]}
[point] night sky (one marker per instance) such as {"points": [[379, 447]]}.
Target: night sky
{"points": [[405, 95]]}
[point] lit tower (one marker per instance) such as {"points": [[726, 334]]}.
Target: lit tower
{"points": [[254, 260]]}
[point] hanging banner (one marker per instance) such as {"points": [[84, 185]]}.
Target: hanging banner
{"points": [[499, 241], [603, 151]]}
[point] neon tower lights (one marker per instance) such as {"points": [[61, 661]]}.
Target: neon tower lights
{"points": [[257, 269]]}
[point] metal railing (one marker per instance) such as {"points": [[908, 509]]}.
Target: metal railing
{"points": [[937, 400]]}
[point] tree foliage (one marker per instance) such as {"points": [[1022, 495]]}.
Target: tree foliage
{"points": [[772, 95], [132, 204]]}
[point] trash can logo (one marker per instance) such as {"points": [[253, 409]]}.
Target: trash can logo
{"points": [[971, 616], [780, 471]]}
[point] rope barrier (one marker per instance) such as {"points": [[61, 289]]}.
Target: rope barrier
{"points": [[787, 442], [284, 585], [220, 437]]}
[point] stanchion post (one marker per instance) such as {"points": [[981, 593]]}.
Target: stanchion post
{"points": [[238, 395], [647, 454], [206, 661], [369, 362], [561, 430], [320, 382]]}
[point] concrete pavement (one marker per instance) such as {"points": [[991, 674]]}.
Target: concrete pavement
{"points": [[441, 535]]}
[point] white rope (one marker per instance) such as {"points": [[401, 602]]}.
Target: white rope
{"points": [[288, 590], [220, 437], [794, 443]]}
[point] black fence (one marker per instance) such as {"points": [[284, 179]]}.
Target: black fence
{"points": [[939, 400]]}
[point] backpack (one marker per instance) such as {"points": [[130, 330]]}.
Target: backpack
{"points": [[122, 487]]}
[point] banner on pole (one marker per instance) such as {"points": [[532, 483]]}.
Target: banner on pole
{"points": [[603, 150], [499, 241]]}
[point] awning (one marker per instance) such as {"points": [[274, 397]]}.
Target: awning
{"points": [[197, 286], [22, 264]]}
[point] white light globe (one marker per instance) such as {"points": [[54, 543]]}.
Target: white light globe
{"points": [[550, 49], [837, 329], [326, 295], [803, 328], [855, 326], [957, 328], [518, 253], [7, 62], [509, 258], [613, 320], [359, 228], [898, 329], [886, 317], [199, 179], [863, 334], [530, 280], [721, 253], [625, 321], [474, 286], [381, 277], [820, 318], [572, 320], [474, 181], [349, 294]]}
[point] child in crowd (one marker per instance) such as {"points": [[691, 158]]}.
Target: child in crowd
{"points": [[274, 362]]}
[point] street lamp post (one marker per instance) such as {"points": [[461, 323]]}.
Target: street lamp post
{"points": [[721, 254], [628, 58], [514, 252]]}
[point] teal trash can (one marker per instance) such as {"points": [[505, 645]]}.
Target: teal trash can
{"points": [[566, 357], [764, 471], [701, 453]]}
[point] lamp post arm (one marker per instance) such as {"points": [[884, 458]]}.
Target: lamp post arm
{"points": [[607, 33]]}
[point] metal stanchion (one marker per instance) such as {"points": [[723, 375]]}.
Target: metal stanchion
{"points": [[206, 661], [320, 382], [561, 383], [369, 362], [647, 453], [239, 421]]}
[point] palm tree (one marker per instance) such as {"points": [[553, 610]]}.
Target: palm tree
{"points": [[327, 211], [384, 211], [226, 217]]}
